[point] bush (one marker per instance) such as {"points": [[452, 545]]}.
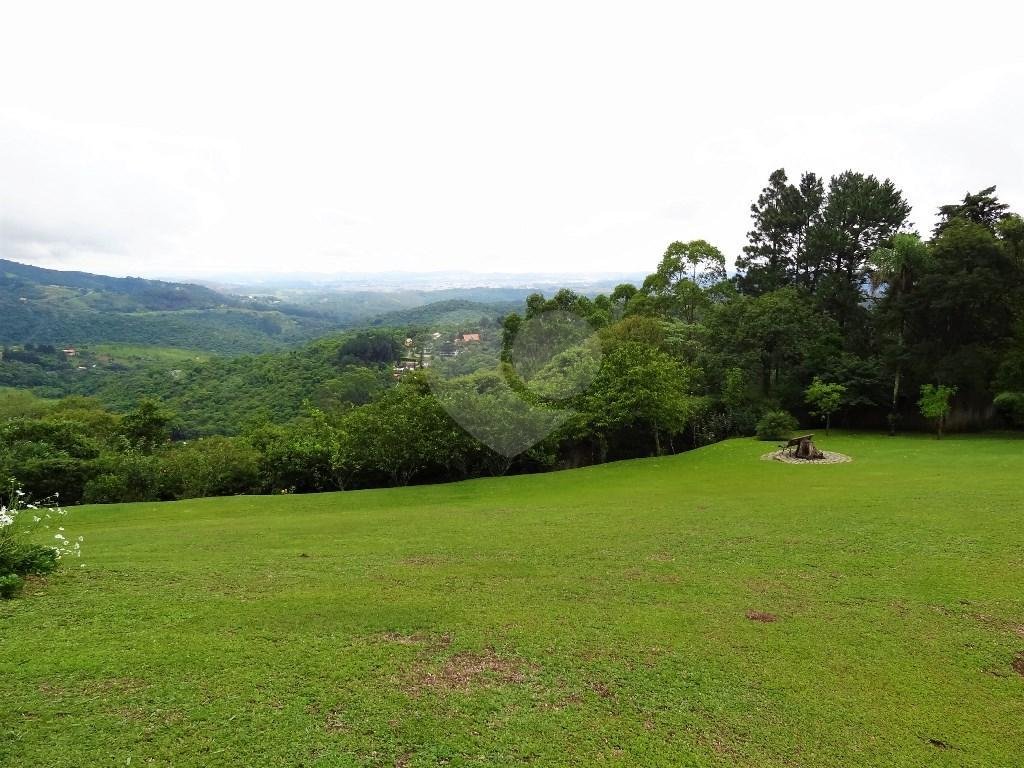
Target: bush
{"points": [[776, 425], [18, 557], [122, 478], [212, 466], [10, 586], [32, 558], [1010, 405]]}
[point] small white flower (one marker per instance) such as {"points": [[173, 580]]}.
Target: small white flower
{"points": [[20, 493], [81, 538], [60, 537], [60, 529], [36, 518]]}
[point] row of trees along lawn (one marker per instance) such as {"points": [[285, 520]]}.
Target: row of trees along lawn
{"points": [[838, 312]]}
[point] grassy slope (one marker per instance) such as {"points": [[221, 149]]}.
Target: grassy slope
{"points": [[613, 598]]}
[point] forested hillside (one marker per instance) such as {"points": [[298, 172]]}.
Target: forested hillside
{"points": [[839, 313], [55, 308], [50, 307]]}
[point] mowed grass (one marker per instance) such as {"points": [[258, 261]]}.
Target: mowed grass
{"points": [[591, 617]]}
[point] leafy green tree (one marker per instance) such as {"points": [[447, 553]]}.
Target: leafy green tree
{"points": [[622, 294], [354, 385], [960, 315], [48, 456], [824, 399], [147, 426], [684, 271], [211, 466], [641, 387], [898, 267], [369, 348], [404, 434], [936, 403], [776, 337], [1011, 233], [981, 208]]}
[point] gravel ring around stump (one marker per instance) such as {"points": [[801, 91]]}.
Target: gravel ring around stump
{"points": [[831, 457]]}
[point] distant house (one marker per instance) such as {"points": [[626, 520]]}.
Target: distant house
{"points": [[70, 351], [467, 338]]}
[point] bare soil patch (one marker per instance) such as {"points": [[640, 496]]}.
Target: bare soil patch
{"points": [[1018, 664], [762, 616], [468, 670], [417, 639]]}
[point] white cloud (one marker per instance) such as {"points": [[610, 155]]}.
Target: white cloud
{"points": [[554, 136]]}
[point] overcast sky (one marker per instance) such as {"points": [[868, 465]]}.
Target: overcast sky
{"points": [[151, 139]]}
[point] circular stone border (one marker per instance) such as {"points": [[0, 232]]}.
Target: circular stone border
{"points": [[831, 457]]}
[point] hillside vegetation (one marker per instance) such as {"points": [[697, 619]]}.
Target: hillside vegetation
{"points": [[58, 308], [707, 609]]}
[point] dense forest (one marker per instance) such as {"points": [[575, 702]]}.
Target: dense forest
{"points": [[837, 313]]}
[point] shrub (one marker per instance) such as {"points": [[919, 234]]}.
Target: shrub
{"points": [[35, 559], [1010, 405], [10, 586], [776, 425], [121, 478], [212, 466], [936, 403], [19, 557]]}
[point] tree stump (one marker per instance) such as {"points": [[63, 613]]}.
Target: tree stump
{"points": [[805, 449]]}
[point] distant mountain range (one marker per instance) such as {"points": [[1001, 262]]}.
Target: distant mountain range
{"points": [[48, 306], [417, 281]]}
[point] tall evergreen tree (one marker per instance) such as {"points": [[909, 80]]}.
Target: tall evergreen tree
{"points": [[981, 208]]}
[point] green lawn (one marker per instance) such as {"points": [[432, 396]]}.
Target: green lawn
{"points": [[592, 617]]}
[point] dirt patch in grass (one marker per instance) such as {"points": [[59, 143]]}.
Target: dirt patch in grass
{"points": [[423, 560], [763, 616], [335, 722], [1018, 664], [466, 671], [417, 639]]}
